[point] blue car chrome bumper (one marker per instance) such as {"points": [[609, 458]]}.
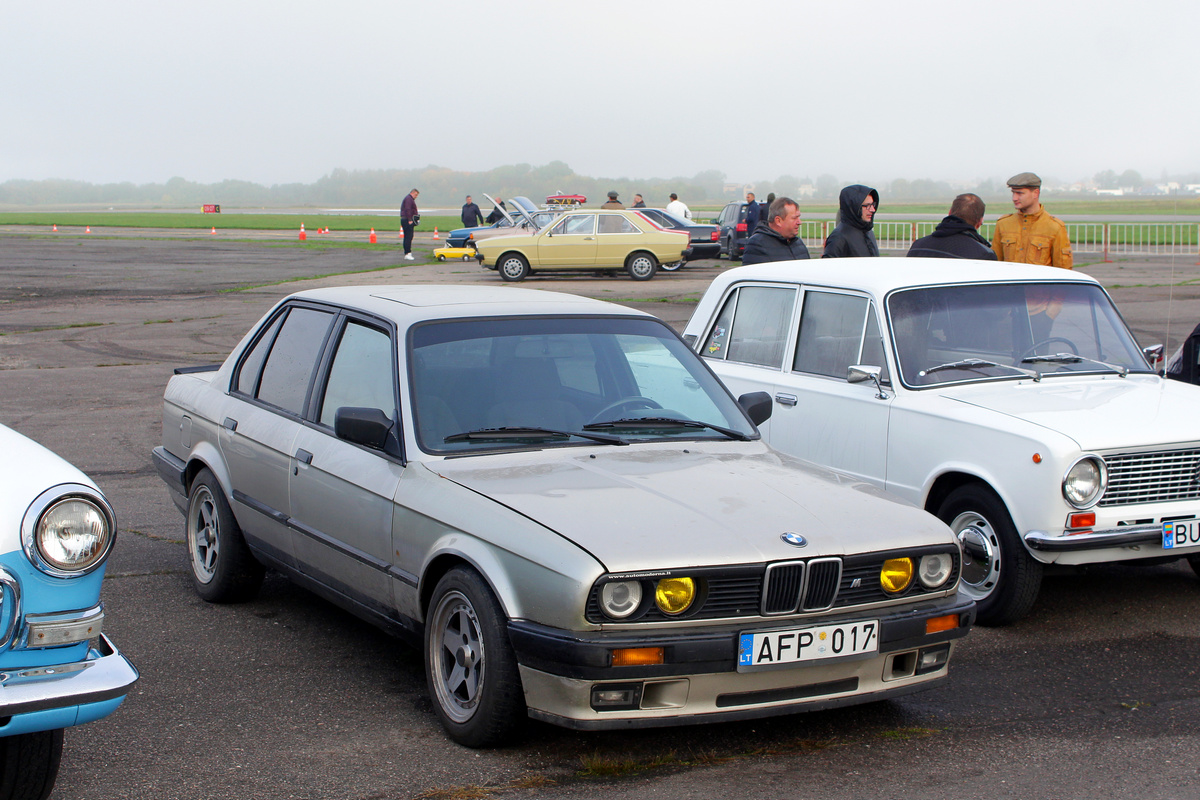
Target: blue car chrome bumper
{"points": [[105, 675]]}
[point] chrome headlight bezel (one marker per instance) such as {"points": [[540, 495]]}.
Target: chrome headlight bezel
{"points": [[629, 605], [1078, 474], [934, 570], [38, 528]]}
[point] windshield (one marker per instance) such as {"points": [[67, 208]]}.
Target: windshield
{"points": [[484, 384], [950, 334]]}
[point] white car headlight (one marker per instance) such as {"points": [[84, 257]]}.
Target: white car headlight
{"points": [[67, 534], [619, 599], [1085, 481], [935, 569]]}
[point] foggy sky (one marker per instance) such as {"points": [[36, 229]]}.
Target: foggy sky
{"points": [[281, 92]]}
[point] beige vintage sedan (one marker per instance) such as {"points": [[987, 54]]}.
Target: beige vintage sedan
{"points": [[587, 240]]}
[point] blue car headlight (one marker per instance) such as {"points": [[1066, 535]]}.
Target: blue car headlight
{"points": [[68, 531]]}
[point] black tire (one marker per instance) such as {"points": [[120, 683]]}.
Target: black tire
{"points": [[223, 568], [641, 265], [997, 572], [670, 267], [29, 764], [469, 662], [513, 267], [1194, 562]]}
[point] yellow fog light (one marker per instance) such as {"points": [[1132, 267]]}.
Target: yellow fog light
{"points": [[896, 575], [675, 595]]}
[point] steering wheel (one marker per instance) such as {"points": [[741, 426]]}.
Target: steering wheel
{"points": [[1051, 340], [632, 401]]}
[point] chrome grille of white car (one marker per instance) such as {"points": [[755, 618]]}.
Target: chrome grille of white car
{"points": [[1157, 477]]}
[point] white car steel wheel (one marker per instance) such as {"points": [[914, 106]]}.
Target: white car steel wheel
{"points": [[980, 554]]}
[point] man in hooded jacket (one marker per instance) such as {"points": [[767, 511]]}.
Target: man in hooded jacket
{"points": [[777, 240], [854, 234], [957, 236]]}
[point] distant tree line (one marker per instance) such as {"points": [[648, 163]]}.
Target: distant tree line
{"points": [[384, 188]]}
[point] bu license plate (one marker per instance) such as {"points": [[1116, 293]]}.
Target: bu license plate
{"points": [[1181, 534], [773, 648]]}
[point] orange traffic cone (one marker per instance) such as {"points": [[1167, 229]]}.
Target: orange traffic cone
{"points": [[435, 236], [89, 229], [214, 230], [373, 237], [56, 226], [327, 229], [303, 235]]}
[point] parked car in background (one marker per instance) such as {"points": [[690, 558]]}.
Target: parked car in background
{"points": [[57, 667], [559, 503], [733, 230], [1010, 400], [704, 240], [523, 218], [606, 240]]}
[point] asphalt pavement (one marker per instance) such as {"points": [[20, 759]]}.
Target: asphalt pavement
{"points": [[1095, 694]]}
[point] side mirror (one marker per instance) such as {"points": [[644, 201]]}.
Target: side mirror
{"points": [[757, 406], [1153, 354], [366, 426], [860, 373]]}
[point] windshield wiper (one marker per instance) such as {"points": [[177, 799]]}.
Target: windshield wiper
{"points": [[660, 422], [514, 433], [1072, 358], [977, 364]]}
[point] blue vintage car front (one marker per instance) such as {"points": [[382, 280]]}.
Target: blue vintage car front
{"points": [[57, 668]]}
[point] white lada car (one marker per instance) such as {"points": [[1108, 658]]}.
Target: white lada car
{"points": [[1011, 401]]}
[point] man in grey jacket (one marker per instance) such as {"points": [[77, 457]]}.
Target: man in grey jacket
{"points": [[777, 239]]}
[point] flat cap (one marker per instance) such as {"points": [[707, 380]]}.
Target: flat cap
{"points": [[1025, 180], [612, 195]]}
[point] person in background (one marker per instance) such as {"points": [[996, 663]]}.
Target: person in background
{"points": [[1031, 235], [854, 234], [676, 208], [779, 239], [638, 202], [408, 221], [496, 214], [753, 213], [957, 235], [613, 202], [471, 215]]}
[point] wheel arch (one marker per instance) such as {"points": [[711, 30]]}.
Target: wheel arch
{"points": [[205, 456], [946, 483]]}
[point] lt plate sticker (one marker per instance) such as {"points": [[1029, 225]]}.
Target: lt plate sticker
{"points": [[1181, 534]]}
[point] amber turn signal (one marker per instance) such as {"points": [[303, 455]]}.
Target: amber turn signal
{"points": [[637, 656], [938, 624]]}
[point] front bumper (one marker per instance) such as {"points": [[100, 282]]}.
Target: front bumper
{"points": [[699, 680], [104, 675], [1126, 536]]}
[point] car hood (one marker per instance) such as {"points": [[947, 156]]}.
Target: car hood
{"points": [[1097, 413], [27, 470], [689, 504]]}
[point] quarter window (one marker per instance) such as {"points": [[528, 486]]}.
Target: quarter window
{"points": [[615, 223]]}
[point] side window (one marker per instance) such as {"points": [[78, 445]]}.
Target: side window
{"points": [[247, 376], [583, 224], [290, 364], [615, 223], [831, 333], [362, 373], [872, 349], [753, 327], [560, 227]]}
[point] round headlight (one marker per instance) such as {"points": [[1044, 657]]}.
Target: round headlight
{"points": [[619, 599], [934, 569], [73, 535], [1085, 481], [675, 595], [896, 575]]}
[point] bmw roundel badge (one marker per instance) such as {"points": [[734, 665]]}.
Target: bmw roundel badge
{"points": [[794, 539]]}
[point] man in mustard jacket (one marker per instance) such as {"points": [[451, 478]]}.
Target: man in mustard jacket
{"points": [[1031, 235]]}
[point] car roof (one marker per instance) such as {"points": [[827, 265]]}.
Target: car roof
{"points": [[881, 275], [408, 304]]}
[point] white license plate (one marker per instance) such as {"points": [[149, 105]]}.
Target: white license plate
{"points": [[1181, 534], [772, 648]]}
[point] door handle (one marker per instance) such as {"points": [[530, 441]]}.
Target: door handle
{"points": [[786, 399], [303, 456], [229, 424]]}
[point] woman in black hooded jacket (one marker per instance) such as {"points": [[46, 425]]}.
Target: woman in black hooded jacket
{"points": [[854, 234]]}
